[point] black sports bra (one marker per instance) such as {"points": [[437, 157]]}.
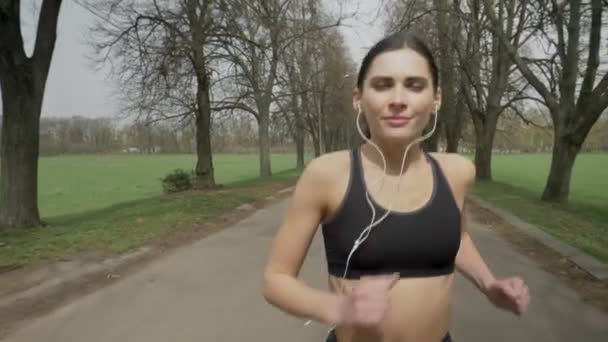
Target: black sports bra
{"points": [[419, 243]]}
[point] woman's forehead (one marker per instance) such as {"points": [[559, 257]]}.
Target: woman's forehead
{"points": [[402, 63]]}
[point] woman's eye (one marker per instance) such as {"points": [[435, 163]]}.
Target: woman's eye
{"points": [[416, 86], [382, 84]]}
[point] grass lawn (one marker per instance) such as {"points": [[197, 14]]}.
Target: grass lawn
{"points": [[73, 184], [114, 203], [518, 184]]}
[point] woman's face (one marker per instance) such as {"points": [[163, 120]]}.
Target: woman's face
{"points": [[398, 95]]}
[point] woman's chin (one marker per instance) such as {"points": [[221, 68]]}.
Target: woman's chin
{"points": [[398, 135]]}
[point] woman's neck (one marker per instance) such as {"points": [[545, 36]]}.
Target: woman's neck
{"points": [[393, 155]]}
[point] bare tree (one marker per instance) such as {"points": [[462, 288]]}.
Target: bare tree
{"points": [[255, 41], [159, 52], [489, 84], [449, 37], [566, 27], [23, 81], [336, 81]]}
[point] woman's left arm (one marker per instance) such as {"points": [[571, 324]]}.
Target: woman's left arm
{"points": [[470, 263], [510, 293]]}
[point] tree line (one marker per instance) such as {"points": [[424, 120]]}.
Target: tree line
{"points": [[283, 65], [107, 135], [187, 61], [500, 57]]}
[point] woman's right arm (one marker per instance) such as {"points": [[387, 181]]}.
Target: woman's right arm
{"points": [[281, 286]]}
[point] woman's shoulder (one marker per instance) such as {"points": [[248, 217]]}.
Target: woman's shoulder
{"points": [[330, 164], [328, 167], [459, 169]]}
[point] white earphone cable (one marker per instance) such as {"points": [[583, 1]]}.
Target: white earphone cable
{"points": [[367, 230]]}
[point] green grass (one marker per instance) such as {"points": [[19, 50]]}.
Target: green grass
{"points": [[72, 184], [114, 203], [123, 226], [583, 222]]}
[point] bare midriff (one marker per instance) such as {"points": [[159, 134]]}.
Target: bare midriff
{"points": [[419, 311]]}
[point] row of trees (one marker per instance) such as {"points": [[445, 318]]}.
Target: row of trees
{"points": [[195, 59], [283, 64], [189, 61], [499, 56], [82, 135]]}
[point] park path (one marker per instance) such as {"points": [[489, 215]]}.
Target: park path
{"points": [[210, 291]]}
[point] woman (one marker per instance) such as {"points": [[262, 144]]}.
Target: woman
{"points": [[391, 254]]}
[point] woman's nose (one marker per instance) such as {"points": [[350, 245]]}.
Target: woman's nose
{"points": [[398, 97]]}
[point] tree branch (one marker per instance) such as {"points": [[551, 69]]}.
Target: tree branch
{"points": [[46, 35]]}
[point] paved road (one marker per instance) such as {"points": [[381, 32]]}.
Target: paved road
{"points": [[210, 291]]}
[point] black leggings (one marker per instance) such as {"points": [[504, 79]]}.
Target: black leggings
{"points": [[333, 338]]}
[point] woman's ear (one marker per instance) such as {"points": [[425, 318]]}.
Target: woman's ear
{"points": [[437, 99], [356, 99]]}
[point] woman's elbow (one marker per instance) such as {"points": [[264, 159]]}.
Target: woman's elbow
{"points": [[268, 286]]}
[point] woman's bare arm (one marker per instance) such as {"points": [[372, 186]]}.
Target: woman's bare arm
{"points": [[281, 286], [468, 261]]}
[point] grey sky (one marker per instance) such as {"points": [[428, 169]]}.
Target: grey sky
{"points": [[74, 88]]}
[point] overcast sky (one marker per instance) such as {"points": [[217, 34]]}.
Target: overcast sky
{"points": [[74, 88]]}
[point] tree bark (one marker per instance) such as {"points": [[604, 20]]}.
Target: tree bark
{"points": [[264, 141], [569, 114], [299, 138], [23, 82], [483, 153], [485, 131], [19, 158], [205, 178], [432, 143], [300, 152], [557, 187], [454, 129], [449, 114]]}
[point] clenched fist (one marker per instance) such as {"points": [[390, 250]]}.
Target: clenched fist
{"points": [[367, 302], [511, 294]]}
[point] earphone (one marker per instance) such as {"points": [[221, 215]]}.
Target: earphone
{"points": [[365, 233], [367, 230]]}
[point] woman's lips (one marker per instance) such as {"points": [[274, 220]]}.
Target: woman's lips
{"points": [[397, 121]]}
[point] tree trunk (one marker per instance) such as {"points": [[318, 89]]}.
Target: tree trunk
{"points": [[453, 130], [19, 158], [557, 187], [264, 141], [485, 130], [452, 140], [316, 145], [205, 178], [483, 157], [432, 143], [299, 138], [450, 114], [23, 82]]}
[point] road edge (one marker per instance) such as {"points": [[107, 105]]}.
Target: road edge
{"points": [[589, 264]]}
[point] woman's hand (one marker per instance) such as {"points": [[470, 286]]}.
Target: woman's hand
{"points": [[511, 294], [366, 303]]}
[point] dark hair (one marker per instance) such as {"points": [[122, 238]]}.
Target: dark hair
{"points": [[397, 41]]}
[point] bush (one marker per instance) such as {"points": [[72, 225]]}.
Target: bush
{"points": [[178, 180]]}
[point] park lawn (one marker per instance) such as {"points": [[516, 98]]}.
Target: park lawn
{"points": [[583, 222], [127, 225], [114, 203], [76, 183]]}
